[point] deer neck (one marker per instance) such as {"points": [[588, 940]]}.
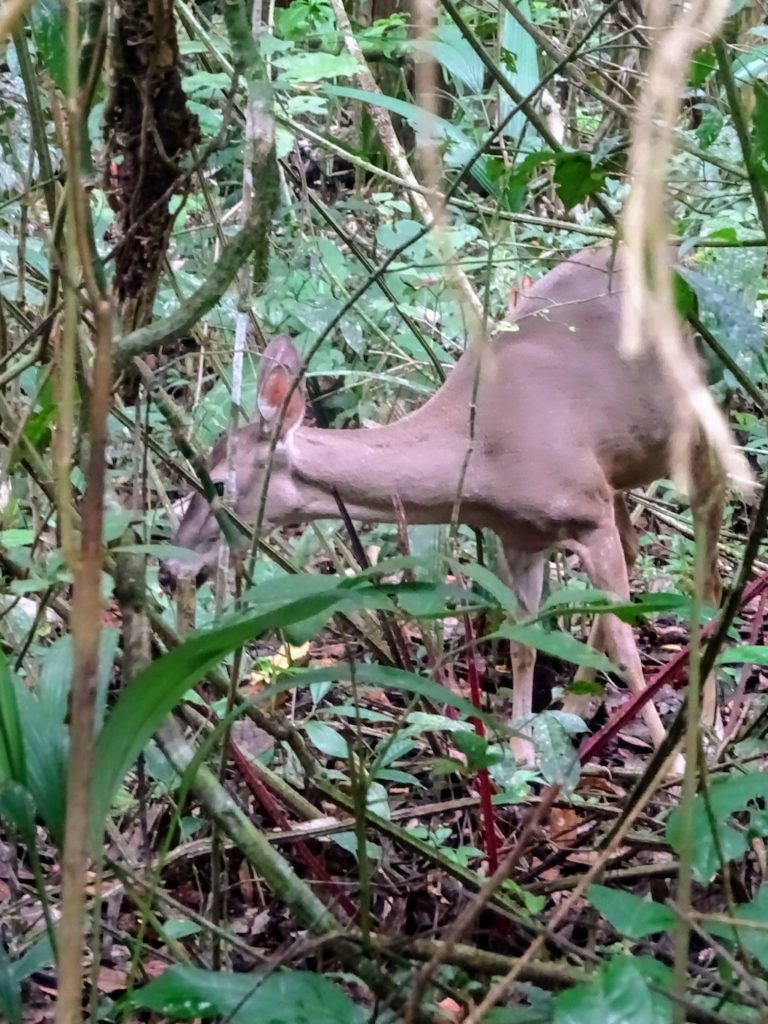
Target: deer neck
{"points": [[374, 471]]}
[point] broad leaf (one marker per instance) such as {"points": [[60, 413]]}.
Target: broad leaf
{"points": [[10, 990], [292, 997], [748, 654], [727, 796], [631, 915], [619, 994], [327, 740], [147, 699], [555, 755], [13, 763], [752, 940], [559, 644], [723, 311]]}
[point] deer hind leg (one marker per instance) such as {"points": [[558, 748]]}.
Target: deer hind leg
{"points": [[707, 504], [603, 556], [526, 577], [577, 704]]}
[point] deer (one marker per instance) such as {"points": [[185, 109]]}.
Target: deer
{"points": [[564, 425]]}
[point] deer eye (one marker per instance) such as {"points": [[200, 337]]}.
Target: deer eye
{"points": [[218, 486]]}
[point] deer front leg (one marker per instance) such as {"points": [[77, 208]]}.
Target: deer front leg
{"points": [[573, 703], [604, 561], [707, 504], [526, 578]]}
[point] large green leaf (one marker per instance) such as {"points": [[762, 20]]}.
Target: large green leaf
{"points": [[751, 65], [520, 65], [631, 915], [384, 677], [43, 712], [590, 600], [48, 21], [462, 147], [552, 733], [10, 993], [752, 940], [285, 997], [559, 644], [13, 764], [723, 311], [620, 993], [452, 51], [748, 654], [726, 796], [147, 699]]}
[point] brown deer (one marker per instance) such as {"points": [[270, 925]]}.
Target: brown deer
{"points": [[563, 425]]}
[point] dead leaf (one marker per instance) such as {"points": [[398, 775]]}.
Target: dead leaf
{"points": [[112, 980], [449, 1010]]}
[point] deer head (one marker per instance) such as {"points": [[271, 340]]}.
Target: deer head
{"points": [[199, 530]]}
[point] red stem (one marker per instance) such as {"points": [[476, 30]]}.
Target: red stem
{"points": [[280, 819], [671, 674], [484, 784]]}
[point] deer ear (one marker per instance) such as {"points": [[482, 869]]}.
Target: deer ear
{"points": [[279, 366], [517, 293]]}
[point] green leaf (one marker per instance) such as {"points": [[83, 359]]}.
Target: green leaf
{"points": [[491, 584], [760, 132], [327, 740], [685, 296], [13, 765], [43, 712], [180, 928], [746, 655], [293, 997], [392, 236], [576, 178], [724, 312], [703, 63], [386, 678], [315, 66], [555, 755], [619, 994], [710, 126], [149, 697], [17, 809], [37, 429], [727, 796], [10, 991], [559, 644], [47, 19], [10, 539], [520, 66], [477, 750], [38, 956], [631, 915], [751, 940], [751, 66], [451, 50], [461, 146], [516, 190], [573, 599]]}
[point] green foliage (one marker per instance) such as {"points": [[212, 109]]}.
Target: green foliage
{"points": [[293, 997], [13, 973], [629, 914], [344, 210], [752, 940], [622, 992], [718, 839]]}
